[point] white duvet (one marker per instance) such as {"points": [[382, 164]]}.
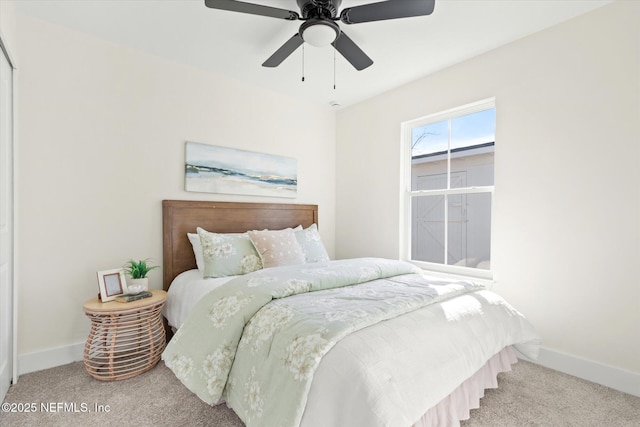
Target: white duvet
{"points": [[406, 365], [391, 373]]}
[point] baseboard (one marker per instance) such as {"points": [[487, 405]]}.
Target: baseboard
{"points": [[50, 358], [612, 377]]}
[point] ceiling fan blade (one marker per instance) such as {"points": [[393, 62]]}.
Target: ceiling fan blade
{"points": [[386, 10], [285, 50], [252, 8], [352, 52]]}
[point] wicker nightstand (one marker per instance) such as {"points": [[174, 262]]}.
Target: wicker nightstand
{"points": [[126, 339]]}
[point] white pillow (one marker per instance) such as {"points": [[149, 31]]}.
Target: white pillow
{"points": [[197, 250]]}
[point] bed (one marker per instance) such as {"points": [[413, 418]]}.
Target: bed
{"points": [[365, 342]]}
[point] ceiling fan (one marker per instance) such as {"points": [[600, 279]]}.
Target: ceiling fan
{"points": [[320, 28]]}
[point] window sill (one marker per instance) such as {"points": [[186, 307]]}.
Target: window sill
{"points": [[484, 277]]}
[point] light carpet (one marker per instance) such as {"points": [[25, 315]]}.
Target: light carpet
{"points": [[530, 395]]}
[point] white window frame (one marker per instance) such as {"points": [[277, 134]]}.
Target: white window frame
{"points": [[406, 194]]}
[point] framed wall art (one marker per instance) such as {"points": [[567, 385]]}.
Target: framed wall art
{"points": [[215, 169]]}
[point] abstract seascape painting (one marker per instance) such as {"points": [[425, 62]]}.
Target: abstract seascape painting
{"points": [[215, 169]]}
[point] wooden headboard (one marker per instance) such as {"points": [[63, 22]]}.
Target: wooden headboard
{"points": [[180, 217]]}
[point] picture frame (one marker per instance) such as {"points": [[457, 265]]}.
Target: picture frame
{"points": [[111, 284], [225, 170]]}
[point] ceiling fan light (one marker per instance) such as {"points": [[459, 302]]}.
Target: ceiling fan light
{"points": [[319, 34]]}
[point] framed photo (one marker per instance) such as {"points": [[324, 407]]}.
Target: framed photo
{"points": [[111, 283]]}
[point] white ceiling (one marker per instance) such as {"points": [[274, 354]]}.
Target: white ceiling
{"points": [[235, 45]]}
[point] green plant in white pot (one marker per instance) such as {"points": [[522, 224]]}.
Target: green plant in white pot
{"points": [[137, 271]]}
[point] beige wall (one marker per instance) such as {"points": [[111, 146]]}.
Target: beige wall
{"points": [[102, 130], [567, 202], [98, 122], [8, 25]]}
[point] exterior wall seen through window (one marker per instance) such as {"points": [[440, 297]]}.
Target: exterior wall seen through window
{"points": [[450, 189]]}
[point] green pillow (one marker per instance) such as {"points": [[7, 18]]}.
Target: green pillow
{"points": [[311, 244], [228, 254]]}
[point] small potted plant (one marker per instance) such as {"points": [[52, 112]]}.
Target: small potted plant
{"points": [[137, 271]]}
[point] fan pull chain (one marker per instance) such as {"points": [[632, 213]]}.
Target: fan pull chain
{"points": [[302, 61], [334, 69]]}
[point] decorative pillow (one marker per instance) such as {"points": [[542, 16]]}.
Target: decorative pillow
{"points": [[277, 247], [194, 239], [311, 244], [229, 254]]}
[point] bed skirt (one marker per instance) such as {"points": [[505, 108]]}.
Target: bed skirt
{"points": [[467, 395]]}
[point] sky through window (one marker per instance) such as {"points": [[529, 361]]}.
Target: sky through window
{"points": [[466, 131]]}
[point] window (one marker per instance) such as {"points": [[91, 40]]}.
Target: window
{"points": [[448, 181]]}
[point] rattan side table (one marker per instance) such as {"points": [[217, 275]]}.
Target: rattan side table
{"points": [[126, 339]]}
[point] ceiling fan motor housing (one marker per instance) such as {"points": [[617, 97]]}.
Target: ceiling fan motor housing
{"points": [[321, 9]]}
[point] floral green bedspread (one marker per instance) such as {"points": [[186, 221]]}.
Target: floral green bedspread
{"points": [[257, 340]]}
